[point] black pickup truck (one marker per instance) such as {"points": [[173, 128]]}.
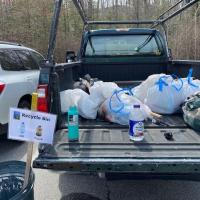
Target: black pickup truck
{"points": [[125, 56]]}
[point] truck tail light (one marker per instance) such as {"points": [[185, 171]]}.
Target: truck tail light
{"points": [[42, 104], [2, 86]]}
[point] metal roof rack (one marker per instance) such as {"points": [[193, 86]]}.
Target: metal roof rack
{"points": [[168, 10], [123, 22], [11, 43], [165, 16], [169, 15], [79, 6]]}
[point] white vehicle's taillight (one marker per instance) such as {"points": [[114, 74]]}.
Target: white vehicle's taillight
{"points": [[42, 104], [2, 86]]}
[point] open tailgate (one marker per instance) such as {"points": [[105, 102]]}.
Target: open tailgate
{"points": [[110, 150]]}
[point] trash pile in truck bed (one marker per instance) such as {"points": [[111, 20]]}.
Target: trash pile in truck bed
{"points": [[159, 93]]}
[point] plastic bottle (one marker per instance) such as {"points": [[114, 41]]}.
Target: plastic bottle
{"points": [[22, 128], [39, 131], [136, 124], [73, 132]]}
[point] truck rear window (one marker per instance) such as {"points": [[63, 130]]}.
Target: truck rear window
{"points": [[122, 45]]}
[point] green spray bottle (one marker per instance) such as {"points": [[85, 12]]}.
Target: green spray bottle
{"points": [[72, 118]]}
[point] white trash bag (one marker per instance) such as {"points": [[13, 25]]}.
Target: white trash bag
{"points": [[190, 86], [166, 95], [118, 107], [77, 97], [71, 98], [100, 91], [141, 90], [87, 108], [87, 105]]}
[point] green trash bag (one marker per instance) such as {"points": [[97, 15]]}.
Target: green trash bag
{"points": [[191, 111]]}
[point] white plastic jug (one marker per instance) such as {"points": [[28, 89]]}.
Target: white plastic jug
{"points": [[136, 123]]}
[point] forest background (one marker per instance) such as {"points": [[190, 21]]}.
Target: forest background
{"points": [[28, 22]]}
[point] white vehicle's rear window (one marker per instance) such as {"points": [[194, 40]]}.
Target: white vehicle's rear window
{"points": [[10, 61], [16, 60]]}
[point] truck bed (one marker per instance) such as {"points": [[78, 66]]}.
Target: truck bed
{"points": [[105, 147]]}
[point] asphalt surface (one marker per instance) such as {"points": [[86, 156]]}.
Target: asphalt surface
{"points": [[54, 185]]}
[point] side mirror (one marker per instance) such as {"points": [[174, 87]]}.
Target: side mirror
{"points": [[170, 54], [70, 56]]}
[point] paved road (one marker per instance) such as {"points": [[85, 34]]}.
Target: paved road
{"points": [[50, 185]]}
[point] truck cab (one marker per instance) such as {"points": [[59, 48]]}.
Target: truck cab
{"points": [[103, 51]]}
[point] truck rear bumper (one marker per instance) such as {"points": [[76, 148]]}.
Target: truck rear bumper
{"points": [[138, 166]]}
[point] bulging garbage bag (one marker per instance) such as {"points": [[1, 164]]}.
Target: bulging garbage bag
{"points": [[100, 91], [118, 107], [141, 90], [166, 95], [190, 86], [87, 105], [71, 98], [87, 108]]}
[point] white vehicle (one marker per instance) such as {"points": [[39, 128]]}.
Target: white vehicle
{"points": [[19, 74]]}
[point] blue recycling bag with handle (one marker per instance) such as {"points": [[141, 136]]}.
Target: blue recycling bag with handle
{"points": [[118, 107], [164, 94], [190, 86]]}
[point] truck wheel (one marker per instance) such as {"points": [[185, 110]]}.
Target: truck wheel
{"points": [[24, 104]]}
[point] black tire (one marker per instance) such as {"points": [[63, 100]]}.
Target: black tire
{"points": [[25, 104], [3, 132], [3, 136], [11, 181]]}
